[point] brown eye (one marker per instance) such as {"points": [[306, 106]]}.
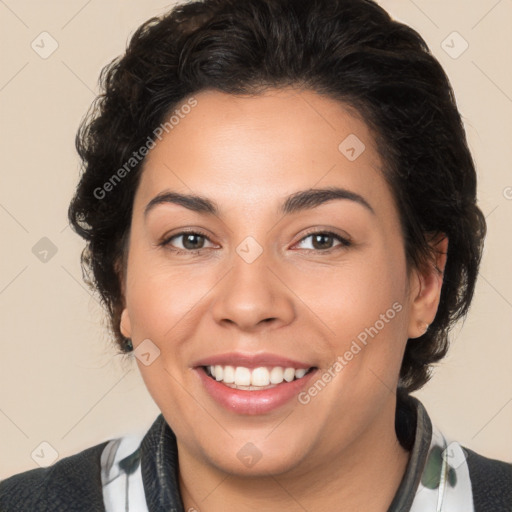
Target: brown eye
{"points": [[184, 242], [193, 241], [324, 240]]}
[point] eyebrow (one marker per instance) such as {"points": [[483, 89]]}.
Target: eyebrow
{"points": [[296, 202]]}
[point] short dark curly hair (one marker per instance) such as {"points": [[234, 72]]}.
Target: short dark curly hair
{"points": [[349, 50]]}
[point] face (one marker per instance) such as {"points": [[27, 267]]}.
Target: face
{"points": [[288, 255]]}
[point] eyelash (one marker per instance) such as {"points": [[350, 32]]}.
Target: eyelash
{"points": [[344, 243]]}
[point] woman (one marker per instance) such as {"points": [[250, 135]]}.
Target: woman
{"points": [[280, 212]]}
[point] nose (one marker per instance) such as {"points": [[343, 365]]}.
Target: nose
{"points": [[252, 296]]}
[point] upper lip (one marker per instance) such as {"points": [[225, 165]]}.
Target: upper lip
{"points": [[251, 360]]}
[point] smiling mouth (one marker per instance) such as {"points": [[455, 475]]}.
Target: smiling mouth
{"points": [[255, 379]]}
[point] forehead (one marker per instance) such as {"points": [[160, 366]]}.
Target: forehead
{"points": [[258, 149]]}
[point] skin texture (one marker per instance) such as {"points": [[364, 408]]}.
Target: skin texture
{"points": [[296, 300]]}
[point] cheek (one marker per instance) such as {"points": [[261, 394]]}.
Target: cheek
{"points": [[352, 296], [365, 307], [161, 299]]}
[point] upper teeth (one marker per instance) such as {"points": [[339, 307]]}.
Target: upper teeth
{"points": [[262, 376]]}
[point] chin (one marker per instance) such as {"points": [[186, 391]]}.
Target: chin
{"points": [[249, 461]]}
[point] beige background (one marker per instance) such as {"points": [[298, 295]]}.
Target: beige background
{"points": [[59, 380]]}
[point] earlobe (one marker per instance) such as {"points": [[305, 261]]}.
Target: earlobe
{"points": [[427, 293]]}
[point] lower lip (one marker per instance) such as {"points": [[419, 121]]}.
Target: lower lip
{"points": [[253, 402]]}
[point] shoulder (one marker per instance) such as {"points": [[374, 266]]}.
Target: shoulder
{"points": [[73, 483], [491, 483], [450, 476]]}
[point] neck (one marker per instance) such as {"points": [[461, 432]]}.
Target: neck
{"points": [[364, 476]]}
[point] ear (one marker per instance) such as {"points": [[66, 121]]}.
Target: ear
{"points": [[426, 285], [125, 325]]}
